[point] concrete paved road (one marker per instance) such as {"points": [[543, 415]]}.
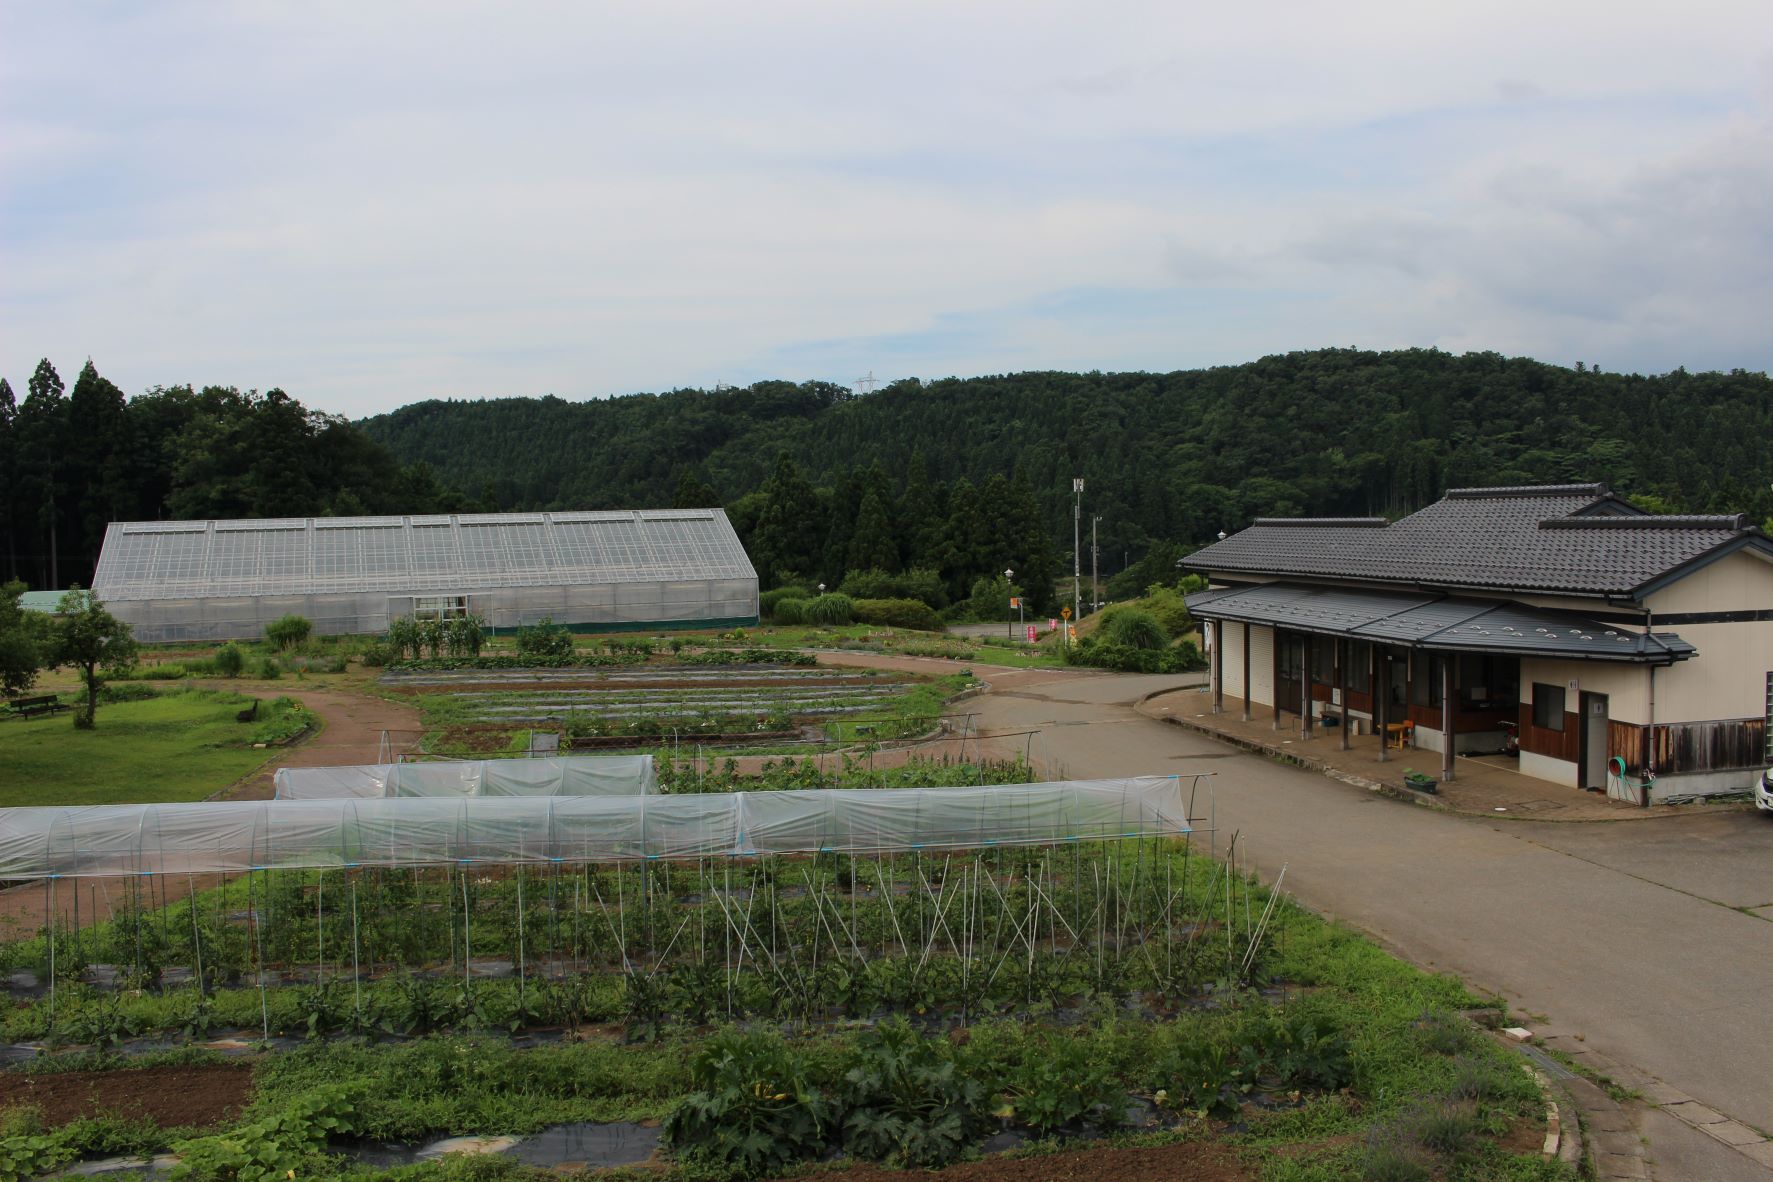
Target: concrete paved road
{"points": [[1639, 935]]}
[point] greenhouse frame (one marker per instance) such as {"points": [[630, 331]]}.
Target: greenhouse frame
{"points": [[622, 571], [244, 836]]}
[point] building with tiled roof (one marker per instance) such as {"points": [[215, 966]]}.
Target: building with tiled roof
{"points": [[1627, 652]]}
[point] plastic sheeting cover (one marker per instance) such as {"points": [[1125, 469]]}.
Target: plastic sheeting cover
{"points": [[567, 775], [238, 836]]}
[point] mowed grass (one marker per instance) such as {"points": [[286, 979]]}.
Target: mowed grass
{"points": [[182, 746]]}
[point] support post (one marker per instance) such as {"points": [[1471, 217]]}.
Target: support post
{"points": [[1448, 667], [1246, 628], [1382, 700], [1342, 688], [1305, 686], [1275, 692], [1218, 666]]}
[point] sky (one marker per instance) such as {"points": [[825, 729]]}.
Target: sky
{"points": [[370, 204]]}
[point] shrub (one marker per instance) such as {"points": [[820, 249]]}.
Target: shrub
{"points": [[920, 584], [1170, 609], [267, 669], [287, 632], [766, 603], [790, 611], [898, 613], [229, 660], [544, 638], [1134, 628], [832, 608], [378, 653]]}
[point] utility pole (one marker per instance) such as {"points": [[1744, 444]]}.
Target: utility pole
{"points": [[1095, 577], [1076, 548]]}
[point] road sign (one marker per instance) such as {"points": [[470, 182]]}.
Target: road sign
{"points": [[1052, 624], [1015, 601], [1066, 612]]}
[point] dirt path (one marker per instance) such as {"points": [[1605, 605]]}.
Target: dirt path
{"points": [[351, 732]]}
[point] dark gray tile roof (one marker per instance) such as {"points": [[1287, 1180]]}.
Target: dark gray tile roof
{"points": [[1560, 538], [1425, 621]]}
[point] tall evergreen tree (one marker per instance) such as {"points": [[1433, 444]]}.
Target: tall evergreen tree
{"points": [[10, 479], [871, 544], [787, 535], [693, 492], [42, 437], [98, 469]]}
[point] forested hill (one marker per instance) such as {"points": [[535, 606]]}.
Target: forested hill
{"points": [[1175, 456]]}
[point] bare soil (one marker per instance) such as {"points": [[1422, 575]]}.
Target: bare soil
{"points": [[1186, 1162], [198, 1096]]}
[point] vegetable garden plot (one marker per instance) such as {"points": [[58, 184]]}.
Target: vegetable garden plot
{"points": [[957, 934], [471, 711]]}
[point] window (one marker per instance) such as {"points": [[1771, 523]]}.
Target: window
{"points": [[1360, 666], [1548, 706], [1323, 660], [1426, 684], [1489, 682], [440, 607]]}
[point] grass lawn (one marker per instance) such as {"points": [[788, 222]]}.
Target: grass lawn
{"points": [[180, 746]]}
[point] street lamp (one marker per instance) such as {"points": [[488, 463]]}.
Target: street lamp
{"points": [[1009, 624], [821, 588]]}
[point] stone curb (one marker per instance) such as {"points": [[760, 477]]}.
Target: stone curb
{"points": [[1693, 1113]]}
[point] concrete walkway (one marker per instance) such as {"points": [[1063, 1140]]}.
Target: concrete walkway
{"points": [[1482, 784]]}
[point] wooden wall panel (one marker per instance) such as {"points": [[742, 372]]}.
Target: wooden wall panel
{"points": [[1690, 747], [1565, 744]]}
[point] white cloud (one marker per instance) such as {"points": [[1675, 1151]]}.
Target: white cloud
{"points": [[371, 204]]}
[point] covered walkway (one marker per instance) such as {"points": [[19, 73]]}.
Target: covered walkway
{"points": [[1486, 784]]}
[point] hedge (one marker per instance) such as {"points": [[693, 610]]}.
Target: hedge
{"points": [[898, 613]]}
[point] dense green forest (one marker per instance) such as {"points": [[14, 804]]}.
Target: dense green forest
{"points": [[963, 477], [73, 461], [1169, 459]]}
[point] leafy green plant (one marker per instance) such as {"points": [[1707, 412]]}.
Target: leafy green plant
{"points": [[229, 660], [906, 1101], [288, 632], [283, 1145], [752, 1112], [1205, 1077], [1063, 1086], [544, 639]]}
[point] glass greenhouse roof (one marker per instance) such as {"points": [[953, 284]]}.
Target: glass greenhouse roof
{"points": [[320, 555]]}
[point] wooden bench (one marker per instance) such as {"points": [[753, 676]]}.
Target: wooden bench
{"points": [[41, 704]]}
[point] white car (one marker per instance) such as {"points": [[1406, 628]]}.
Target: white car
{"points": [[1764, 793]]}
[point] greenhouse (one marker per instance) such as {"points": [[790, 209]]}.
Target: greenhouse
{"points": [[235, 837], [225, 580], [572, 775]]}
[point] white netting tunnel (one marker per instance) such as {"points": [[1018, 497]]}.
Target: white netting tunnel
{"points": [[234, 837], [567, 775]]}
